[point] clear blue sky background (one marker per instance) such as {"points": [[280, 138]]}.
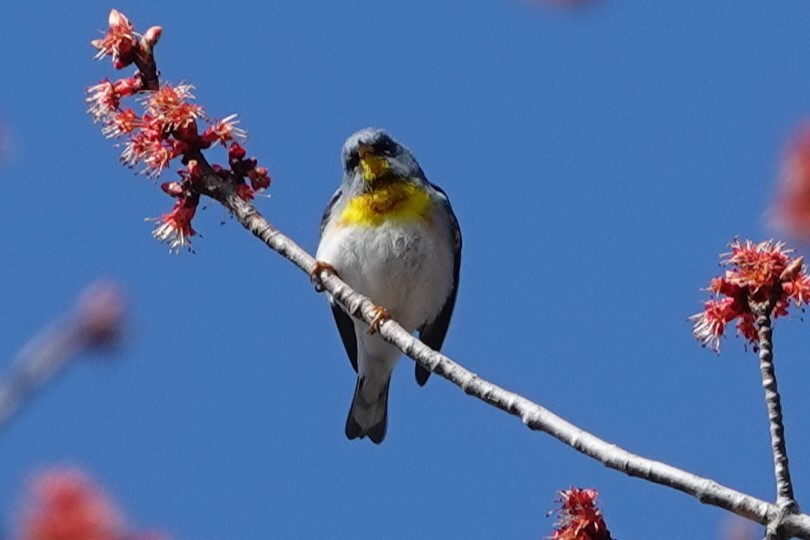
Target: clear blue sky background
{"points": [[598, 161]]}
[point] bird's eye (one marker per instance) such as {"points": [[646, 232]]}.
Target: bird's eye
{"points": [[384, 146], [353, 161]]}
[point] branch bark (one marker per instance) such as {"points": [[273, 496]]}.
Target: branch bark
{"points": [[533, 415], [784, 487]]}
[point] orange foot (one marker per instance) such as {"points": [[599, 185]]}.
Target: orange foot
{"points": [[380, 314], [315, 275]]}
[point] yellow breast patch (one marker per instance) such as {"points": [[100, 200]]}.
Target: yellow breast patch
{"points": [[396, 201]]}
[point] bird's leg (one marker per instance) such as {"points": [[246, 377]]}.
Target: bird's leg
{"points": [[315, 274], [380, 314]]}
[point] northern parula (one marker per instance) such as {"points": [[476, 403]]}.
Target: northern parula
{"points": [[392, 236]]}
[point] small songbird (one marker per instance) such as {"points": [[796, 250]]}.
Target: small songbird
{"points": [[392, 236]]}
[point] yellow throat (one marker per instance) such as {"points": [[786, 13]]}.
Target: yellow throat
{"points": [[395, 200], [373, 166]]}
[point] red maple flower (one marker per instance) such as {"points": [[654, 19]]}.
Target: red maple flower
{"points": [[120, 41], [757, 273], [103, 100], [169, 105], [175, 227], [236, 152], [122, 123], [149, 148], [66, 505], [798, 289], [224, 131], [105, 97], [578, 518], [756, 265], [128, 86], [791, 208], [259, 178]]}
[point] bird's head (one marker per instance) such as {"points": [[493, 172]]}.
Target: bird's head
{"points": [[372, 155]]}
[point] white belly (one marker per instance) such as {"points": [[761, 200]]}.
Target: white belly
{"points": [[405, 268]]}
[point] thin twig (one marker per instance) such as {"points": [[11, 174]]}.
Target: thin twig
{"points": [[784, 487], [39, 361], [95, 322]]}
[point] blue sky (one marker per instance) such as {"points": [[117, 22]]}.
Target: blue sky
{"points": [[598, 161]]}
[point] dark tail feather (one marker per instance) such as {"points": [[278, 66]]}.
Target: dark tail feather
{"points": [[368, 415], [421, 375]]}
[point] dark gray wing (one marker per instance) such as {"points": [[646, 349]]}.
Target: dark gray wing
{"points": [[347, 335], [328, 210], [433, 334], [344, 322]]}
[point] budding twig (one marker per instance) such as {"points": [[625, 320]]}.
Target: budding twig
{"points": [[94, 323]]}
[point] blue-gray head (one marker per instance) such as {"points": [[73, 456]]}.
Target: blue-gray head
{"points": [[372, 154]]}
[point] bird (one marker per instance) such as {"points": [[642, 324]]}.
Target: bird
{"points": [[392, 236]]}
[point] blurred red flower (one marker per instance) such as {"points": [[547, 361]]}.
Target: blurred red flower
{"points": [[65, 505], [791, 208]]}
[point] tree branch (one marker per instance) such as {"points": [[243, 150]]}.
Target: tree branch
{"points": [[531, 414]]}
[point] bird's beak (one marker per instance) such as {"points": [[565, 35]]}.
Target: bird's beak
{"points": [[373, 165]]}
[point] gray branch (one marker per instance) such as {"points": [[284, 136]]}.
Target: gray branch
{"points": [[533, 415], [94, 323], [39, 361]]}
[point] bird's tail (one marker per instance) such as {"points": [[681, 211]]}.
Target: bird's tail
{"points": [[368, 415]]}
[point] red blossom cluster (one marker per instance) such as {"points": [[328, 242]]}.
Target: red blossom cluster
{"points": [[578, 518], [64, 504], [168, 128], [756, 274]]}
